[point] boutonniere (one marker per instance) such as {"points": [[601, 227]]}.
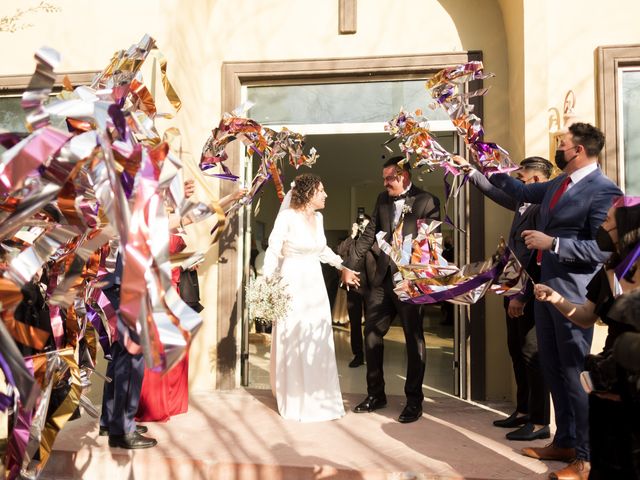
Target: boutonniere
{"points": [[406, 208]]}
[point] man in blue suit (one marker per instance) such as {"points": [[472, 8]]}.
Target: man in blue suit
{"points": [[121, 396], [532, 395], [572, 207]]}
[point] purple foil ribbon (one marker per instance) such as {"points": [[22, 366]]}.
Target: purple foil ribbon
{"points": [[461, 289]]}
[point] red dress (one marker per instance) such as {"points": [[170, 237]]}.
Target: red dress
{"points": [[165, 395]]}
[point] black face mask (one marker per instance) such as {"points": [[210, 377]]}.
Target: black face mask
{"points": [[604, 241], [561, 162]]}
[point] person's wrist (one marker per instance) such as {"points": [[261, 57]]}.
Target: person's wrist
{"points": [[554, 244]]}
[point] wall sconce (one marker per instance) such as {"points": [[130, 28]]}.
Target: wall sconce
{"points": [[557, 126]]}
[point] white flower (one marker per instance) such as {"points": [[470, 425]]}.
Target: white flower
{"points": [[267, 298], [406, 208]]}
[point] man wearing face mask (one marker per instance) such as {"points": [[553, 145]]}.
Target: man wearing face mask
{"points": [[572, 207], [532, 395]]}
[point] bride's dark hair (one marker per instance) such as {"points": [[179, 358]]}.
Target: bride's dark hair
{"points": [[305, 186]]}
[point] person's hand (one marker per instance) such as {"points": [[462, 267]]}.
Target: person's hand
{"points": [[535, 240], [349, 278], [354, 230], [238, 194], [515, 308], [189, 187], [460, 161], [546, 294]]}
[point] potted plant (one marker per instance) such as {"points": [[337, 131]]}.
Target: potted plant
{"points": [[268, 302]]}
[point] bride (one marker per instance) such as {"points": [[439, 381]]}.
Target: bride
{"points": [[304, 375]]}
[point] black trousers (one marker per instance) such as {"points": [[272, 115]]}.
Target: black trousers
{"points": [[355, 309], [121, 396], [382, 306], [613, 441], [532, 393]]}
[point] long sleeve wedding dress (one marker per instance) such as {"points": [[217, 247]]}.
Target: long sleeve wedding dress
{"points": [[304, 374]]}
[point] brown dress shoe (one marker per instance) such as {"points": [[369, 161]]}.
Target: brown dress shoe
{"points": [[549, 452], [576, 470]]}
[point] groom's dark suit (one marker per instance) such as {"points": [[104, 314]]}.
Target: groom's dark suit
{"points": [[383, 303]]}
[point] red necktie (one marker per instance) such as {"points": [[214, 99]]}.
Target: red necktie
{"points": [[554, 200]]}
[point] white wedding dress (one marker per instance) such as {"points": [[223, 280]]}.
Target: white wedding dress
{"points": [[304, 374]]}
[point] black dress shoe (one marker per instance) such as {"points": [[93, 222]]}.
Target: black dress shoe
{"points": [[104, 431], [357, 361], [512, 421], [131, 441], [411, 413], [528, 432], [370, 404]]}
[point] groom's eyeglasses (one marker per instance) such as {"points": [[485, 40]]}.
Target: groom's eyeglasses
{"points": [[390, 178]]}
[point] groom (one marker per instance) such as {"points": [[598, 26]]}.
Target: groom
{"points": [[382, 302]]}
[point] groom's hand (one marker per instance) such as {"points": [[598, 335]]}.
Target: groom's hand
{"points": [[349, 278]]}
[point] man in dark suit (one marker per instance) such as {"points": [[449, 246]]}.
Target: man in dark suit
{"points": [[532, 395], [572, 207], [121, 396], [402, 202]]}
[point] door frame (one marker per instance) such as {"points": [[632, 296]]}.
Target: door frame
{"points": [[230, 299]]}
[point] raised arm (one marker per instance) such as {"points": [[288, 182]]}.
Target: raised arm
{"points": [[484, 185], [365, 241], [531, 193], [494, 193]]}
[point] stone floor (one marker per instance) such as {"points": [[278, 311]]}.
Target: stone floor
{"points": [[239, 435]]}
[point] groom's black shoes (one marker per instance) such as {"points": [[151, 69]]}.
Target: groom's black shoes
{"points": [[370, 404], [411, 413]]}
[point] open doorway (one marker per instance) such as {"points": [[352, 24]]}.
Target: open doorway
{"points": [[350, 168], [343, 96]]}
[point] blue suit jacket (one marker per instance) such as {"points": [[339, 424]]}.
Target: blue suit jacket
{"points": [[574, 220]]}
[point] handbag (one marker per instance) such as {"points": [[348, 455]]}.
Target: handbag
{"points": [[190, 289]]}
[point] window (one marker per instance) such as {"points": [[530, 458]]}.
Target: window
{"points": [[618, 94], [629, 131]]}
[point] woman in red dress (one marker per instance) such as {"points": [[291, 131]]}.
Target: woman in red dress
{"points": [[163, 396]]}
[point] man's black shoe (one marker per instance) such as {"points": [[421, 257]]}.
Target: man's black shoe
{"points": [[131, 441], [104, 431], [357, 361], [411, 413], [528, 432], [512, 421], [370, 404]]}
